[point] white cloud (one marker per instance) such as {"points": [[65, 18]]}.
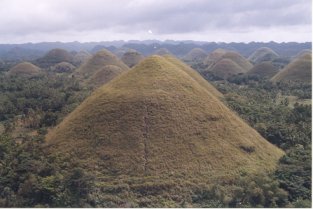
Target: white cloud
{"points": [[208, 20]]}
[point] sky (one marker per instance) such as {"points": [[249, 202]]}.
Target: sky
{"points": [[24, 21]]}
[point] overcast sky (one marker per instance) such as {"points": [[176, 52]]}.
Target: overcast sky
{"points": [[205, 20]]}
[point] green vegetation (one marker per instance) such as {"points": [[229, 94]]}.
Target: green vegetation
{"points": [[164, 94], [281, 113]]}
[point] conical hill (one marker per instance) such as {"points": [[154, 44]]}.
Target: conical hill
{"points": [[156, 119], [225, 68], [224, 64], [24, 69], [264, 70], [55, 56], [132, 58], [97, 62], [104, 75], [195, 55], [263, 54], [300, 70]]}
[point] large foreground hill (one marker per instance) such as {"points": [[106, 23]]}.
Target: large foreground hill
{"points": [[158, 119]]}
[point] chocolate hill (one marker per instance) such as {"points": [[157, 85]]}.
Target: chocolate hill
{"points": [[263, 54], [224, 64], [264, 70], [55, 56], [195, 55], [63, 67], [87, 71], [158, 119], [24, 69], [300, 70], [132, 58]]}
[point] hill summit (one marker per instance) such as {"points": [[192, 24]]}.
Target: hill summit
{"points": [[195, 55], [24, 69], [224, 64], [132, 58], [55, 56], [158, 119], [90, 71], [263, 54], [264, 70]]}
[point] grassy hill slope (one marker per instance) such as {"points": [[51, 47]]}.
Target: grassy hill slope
{"points": [[132, 58], [300, 69], [24, 69], [264, 69], [156, 120], [263, 54]]}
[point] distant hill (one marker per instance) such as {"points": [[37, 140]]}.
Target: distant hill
{"points": [[223, 63], [214, 56], [55, 56], [195, 55], [264, 70], [81, 57], [225, 68], [24, 69], [302, 52], [132, 58], [156, 121], [263, 54], [147, 47], [63, 67], [104, 75], [96, 65], [300, 70]]}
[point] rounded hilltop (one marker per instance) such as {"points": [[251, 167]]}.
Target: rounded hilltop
{"points": [[263, 54], [132, 58], [55, 56], [224, 64], [24, 69], [195, 55], [96, 66], [161, 120], [264, 70], [299, 70], [63, 67]]}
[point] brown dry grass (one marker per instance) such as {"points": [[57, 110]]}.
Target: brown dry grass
{"points": [[104, 75], [24, 69], [196, 55], [157, 120], [227, 63], [262, 54], [264, 69], [56, 56], [300, 69], [225, 68], [97, 62], [63, 67]]}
